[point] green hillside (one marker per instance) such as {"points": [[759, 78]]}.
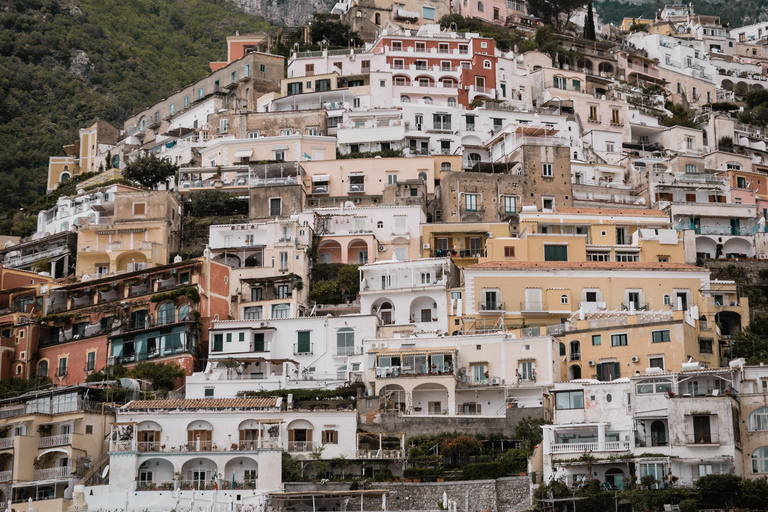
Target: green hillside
{"points": [[64, 63]]}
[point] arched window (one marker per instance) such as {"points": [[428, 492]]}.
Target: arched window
{"points": [[143, 124], [758, 420], [658, 433], [423, 176], [445, 167], [575, 346], [405, 99], [562, 348], [760, 460], [563, 299], [184, 313], [379, 224], [473, 158], [487, 64], [65, 177], [480, 7], [667, 300], [18, 369], [426, 100], [451, 102], [377, 18], [166, 313], [42, 369]]}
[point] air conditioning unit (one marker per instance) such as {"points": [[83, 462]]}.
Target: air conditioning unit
{"points": [[635, 359], [382, 345], [591, 362], [313, 203], [356, 200], [375, 200], [374, 345], [426, 246], [382, 248]]}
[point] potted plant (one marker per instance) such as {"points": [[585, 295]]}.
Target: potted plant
{"points": [[233, 447]]}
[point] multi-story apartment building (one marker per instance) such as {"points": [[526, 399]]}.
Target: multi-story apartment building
{"points": [[269, 266], [464, 242], [358, 235], [308, 352], [140, 230], [155, 314], [50, 437], [369, 18], [409, 293]]}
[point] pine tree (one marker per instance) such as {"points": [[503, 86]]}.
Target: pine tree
{"points": [[589, 24]]}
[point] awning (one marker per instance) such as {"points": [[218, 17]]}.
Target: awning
{"points": [[244, 153], [320, 178]]}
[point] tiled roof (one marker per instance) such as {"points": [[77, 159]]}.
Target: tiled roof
{"points": [[585, 265], [611, 212], [204, 403]]}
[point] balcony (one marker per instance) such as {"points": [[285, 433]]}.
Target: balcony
{"points": [[534, 307], [636, 306], [610, 446], [320, 189], [304, 349], [576, 356], [6, 443], [53, 473], [6, 476], [57, 440], [380, 454], [356, 188], [702, 439], [300, 446], [490, 306]]}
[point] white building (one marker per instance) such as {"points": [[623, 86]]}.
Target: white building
{"points": [[307, 352], [409, 292]]}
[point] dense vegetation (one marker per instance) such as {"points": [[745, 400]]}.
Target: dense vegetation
{"points": [[65, 63]]}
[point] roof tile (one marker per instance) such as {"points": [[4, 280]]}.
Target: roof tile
{"points": [[204, 403]]}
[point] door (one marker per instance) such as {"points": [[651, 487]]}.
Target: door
{"points": [[435, 408], [682, 299], [701, 430], [490, 301], [533, 299], [696, 225], [634, 299], [658, 434], [735, 227], [621, 236]]}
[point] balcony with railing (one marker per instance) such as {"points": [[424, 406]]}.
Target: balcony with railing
{"points": [[300, 446], [702, 439], [528, 306], [491, 306], [6, 443], [57, 440], [300, 348], [380, 454], [56, 473], [610, 446], [6, 476]]}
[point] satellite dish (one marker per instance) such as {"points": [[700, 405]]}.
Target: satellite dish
{"points": [[105, 472]]}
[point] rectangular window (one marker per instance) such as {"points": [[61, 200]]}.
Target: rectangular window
{"points": [[509, 252], [330, 437], [303, 345], [345, 342], [139, 209], [186, 101], [218, 343], [428, 13], [441, 121], [660, 336], [209, 392], [608, 371], [576, 85], [258, 342], [62, 367], [401, 254], [229, 337], [656, 362], [263, 68], [619, 340], [90, 364], [569, 400], [470, 202], [690, 169], [247, 72], [173, 108], [274, 206], [597, 339], [555, 253], [559, 82], [705, 345]]}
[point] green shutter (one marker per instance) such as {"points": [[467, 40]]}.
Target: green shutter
{"points": [[616, 371], [218, 342], [562, 349], [555, 253], [303, 345], [258, 342]]}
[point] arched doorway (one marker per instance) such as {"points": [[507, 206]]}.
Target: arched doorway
{"points": [[574, 372], [329, 251], [614, 477], [243, 470], [300, 436], [198, 473], [384, 309], [153, 472], [199, 436], [575, 346], [394, 397]]}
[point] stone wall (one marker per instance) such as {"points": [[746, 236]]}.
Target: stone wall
{"points": [[500, 495]]}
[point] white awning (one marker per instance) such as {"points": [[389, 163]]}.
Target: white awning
{"points": [[244, 153], [320, 178]]}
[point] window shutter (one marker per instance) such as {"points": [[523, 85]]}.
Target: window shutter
{"points": [[309, 433]]}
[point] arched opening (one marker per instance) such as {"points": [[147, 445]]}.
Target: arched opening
{"points": [[384, 309], [472, 159], [614, 477], [42, 369], [249, 434], [185, 313], [166, 313], [705, 247], [153, 473], [430, 398], [198, 473], [729, 322], [357, 252], [243, 470], [329, 251], [394, 397], [423, 309], [377, 18], [231, 260], [65, 176], [737, 247], [574, 372], [131, 261], [575, 347], [658, 433], [199, 436], [300, 436], [255, 260], [148, 435], [727, 85], [605, 67]]}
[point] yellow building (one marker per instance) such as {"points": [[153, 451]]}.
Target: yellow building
{"points": [[553, 292], [141, 231], [47, 438], [628, 22], [590, 234], [85, 156], [465, 242]]}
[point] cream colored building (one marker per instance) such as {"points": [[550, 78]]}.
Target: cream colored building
{"points": [[86, 156], [140, 231]]}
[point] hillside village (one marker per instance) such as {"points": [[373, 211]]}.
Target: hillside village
{"points": [[381, 276]]}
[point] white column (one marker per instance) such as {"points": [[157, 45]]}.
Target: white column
{"points": [[601, 437]]}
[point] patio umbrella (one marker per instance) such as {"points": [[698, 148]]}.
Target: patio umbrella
{"points": [[445, 499], [233, 480]]}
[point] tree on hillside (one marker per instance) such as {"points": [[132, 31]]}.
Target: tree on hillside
{"points": [[333, 30], [149, 170], [554, 12], [589, 24]]}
